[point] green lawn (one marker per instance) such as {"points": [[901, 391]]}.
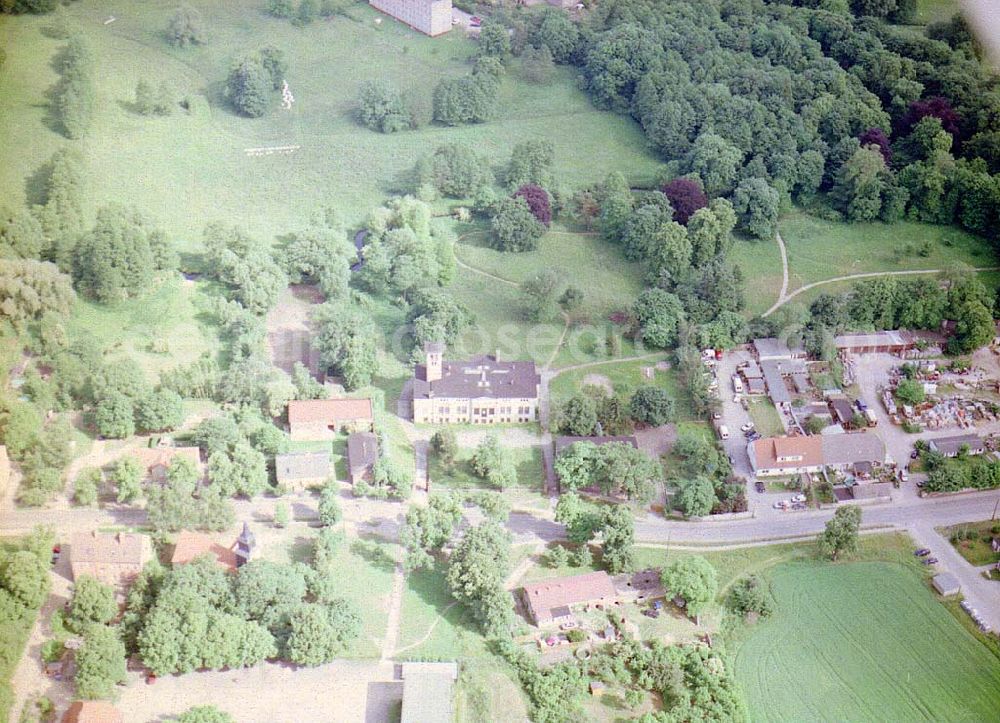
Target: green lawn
{"points": [[575, 257], [624, 377], [760, 262], [165, 328], [766, 418], [434, 627], [930, 11], [978, 551], [860, 642], [459, 475], [191, 167], [819, 250], [991, 279]]}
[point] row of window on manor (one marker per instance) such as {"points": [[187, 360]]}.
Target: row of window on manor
{"points": [[489, 411]]}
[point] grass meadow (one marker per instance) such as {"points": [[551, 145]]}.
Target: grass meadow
{"points": [[191, 167], [818, 250], [434, 627], [167, 327], [460, 476], [859, 642]]}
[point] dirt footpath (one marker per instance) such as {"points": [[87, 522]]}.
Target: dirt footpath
{"points": [[289, 333]]}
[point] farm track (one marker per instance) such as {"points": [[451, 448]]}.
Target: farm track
{"points": [[868, 275]]}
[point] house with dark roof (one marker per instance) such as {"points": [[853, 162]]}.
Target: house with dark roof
{"points": [[362, 454], [951, 446], [549, 601], [299, 470], [482, 390], [843, 451], [885, 342], [319, 420], [842, 409], [772, 348]]}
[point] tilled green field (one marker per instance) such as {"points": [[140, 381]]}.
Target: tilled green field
{"points": [[863, 642]]}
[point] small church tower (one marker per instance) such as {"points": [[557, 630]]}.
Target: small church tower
{"points": [[434, 361], [245, 545]]}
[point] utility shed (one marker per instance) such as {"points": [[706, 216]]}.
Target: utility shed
{"points": [[946, 584], [427, 692]]}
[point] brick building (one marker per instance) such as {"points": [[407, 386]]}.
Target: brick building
{"points": [[115, 559], [319, 420]]}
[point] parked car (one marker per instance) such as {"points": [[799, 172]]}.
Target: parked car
{"points": [[747, 427], [799, 506], [736, 399], [930, 560], [651, 613], [759, 486], [475, 21], [754, 436], [914, 454], [922, 552], [716, 415], [903, 476], [799, 498], [781, 505]]}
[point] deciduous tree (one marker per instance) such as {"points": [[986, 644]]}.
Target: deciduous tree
{"points": [[693, 579], [841, 533], [100, 663]]}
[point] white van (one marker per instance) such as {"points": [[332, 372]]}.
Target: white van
{"points": [[737, 384], [723, 432]]}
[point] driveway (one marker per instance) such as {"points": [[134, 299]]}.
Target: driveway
{"points": [[983, 594]]}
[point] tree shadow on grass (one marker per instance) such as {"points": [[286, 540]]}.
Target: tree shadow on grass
{"points": [[431, 587], [374, 551], [36, 184]]}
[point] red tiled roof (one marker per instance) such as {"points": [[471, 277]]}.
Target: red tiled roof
{"points": [[806, 451], [306, 411], [545, 595], [150, 457], [93, 711], [192, 545]]}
